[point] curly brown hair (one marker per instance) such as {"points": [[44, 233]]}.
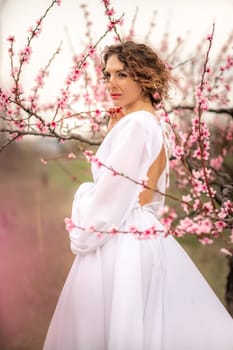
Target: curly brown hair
{"points": [[144, 66]]}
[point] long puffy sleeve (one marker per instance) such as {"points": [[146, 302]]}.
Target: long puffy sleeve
{"points": [[108, 200]]}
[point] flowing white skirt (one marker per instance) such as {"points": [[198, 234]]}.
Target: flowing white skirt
{"points": [[135, 294]]}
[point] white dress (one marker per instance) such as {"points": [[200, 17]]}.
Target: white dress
{"points": [[123, 293]]}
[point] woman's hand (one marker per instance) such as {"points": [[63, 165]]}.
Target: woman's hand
{"points": [[115, 114]]}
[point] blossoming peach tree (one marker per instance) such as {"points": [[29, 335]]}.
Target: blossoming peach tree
{"points": [[199, 119]]}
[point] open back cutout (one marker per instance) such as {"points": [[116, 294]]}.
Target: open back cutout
{"points": [[154, 172]]}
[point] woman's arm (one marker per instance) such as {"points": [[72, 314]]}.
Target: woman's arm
{"points": [[108, 201]]}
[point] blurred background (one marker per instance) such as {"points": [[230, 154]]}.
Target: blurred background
{"points": [[35, 198]]}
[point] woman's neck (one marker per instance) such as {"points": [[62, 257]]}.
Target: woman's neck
{"points": [[139, 106]]}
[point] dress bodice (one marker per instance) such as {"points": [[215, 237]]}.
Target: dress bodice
{"points": [[129, 148]]}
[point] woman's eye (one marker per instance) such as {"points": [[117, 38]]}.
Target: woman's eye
{"points": [[122, 75], [106, 77]]}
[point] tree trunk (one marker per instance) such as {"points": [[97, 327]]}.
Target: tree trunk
{"points": [[229, 286]]}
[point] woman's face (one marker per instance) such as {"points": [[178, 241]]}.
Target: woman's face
{"points": [[124, 91]]}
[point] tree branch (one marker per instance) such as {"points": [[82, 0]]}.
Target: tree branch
{"points": [[51, 135], [228, 111]]}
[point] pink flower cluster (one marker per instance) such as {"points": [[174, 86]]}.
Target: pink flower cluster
{"points": [[216, 163], [42, 127], [228, 65], [178, 151], [40, 78], [113, 230], [168, 217], [201, 134], [197, 180], [35, 32], [63, 99], [25, 54], [4, 100], [92, 159], [109, 12]]}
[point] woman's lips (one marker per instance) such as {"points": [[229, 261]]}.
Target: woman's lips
{"points": [[115, 96]]}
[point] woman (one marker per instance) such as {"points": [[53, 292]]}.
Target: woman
{"points": [[125, 293]]}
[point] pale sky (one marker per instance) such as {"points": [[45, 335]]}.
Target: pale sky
{"points": [[188, 19]]}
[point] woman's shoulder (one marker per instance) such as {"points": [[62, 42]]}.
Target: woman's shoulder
{"points": [[142, 117], [139, 122], [145, 118]]}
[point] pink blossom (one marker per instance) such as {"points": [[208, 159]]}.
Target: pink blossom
{"points": [[208, 207], [112, 24], [97, 112], [40, 78], [41, 126], [133, 229], [53, 124], [95, 127], [73, 76], [69, 224], [88, 154], [96, 161], [222, 214], [143, 182], [91, 50], [4, 99], [196, 173], [149, 232], [91, 228], [216, 163], [156, 96], [11, 38], [84, 64], [196, 204], [113, 230], [110, 12], [35, 32], [163, 211], [220, 225], [18, 138], [43, 161], [186, 198], [229, 135], [106, 2], [197, 153], [17, 90], [206, 241], [211, 192], [231, 236], [228, 206], [165, 117], [62, 101], [71, 155], [98, 234], [229, 62], [226, 251], [114, 172], [25, 54], [168, 219], [203, 104], [178, 151], [204, 226]]}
